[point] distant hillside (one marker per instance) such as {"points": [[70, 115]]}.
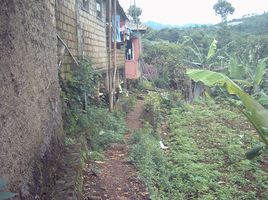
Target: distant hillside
{"points": [[156, 25], [257, 25], [250, 24], [159, 26]]}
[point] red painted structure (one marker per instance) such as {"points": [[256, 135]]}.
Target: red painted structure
{"points": [[132, 67]]}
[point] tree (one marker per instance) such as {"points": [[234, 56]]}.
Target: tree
{"points": [[134, 12], [223, 8]]}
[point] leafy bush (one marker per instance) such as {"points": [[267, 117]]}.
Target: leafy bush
{"points": [[128, 102], [143, 85], [105, 127], [101, 128], [77, 93], [95, 155], [158, 103], [69, 140], [161, 83], [167, 58], [81, 115], [171, 99], [153, 102], [132, 102], [152, 112]]}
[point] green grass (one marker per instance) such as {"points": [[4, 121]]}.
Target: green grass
{"points": [[105, 127], [206, 157], [101, 128], [149, 159]]}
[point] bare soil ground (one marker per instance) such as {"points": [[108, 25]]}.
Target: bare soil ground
{"points": [[116, 178]]}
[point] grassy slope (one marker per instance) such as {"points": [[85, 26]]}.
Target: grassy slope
{"points": [[206, 156]]}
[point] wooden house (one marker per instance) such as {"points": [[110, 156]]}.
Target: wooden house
{"points": [[117, 47], [82, 32], [81, 25]]}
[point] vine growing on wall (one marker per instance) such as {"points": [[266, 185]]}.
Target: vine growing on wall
{"points": [[78, 91]]}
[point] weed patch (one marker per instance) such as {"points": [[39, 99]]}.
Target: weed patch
{"points": [[149, 159], [206, 156], [105, 127]]}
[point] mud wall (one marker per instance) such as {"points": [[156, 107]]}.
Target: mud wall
{"points": [[31, 134]]}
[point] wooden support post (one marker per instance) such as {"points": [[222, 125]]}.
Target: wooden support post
{"points": [[115, 63], [110, 57]]}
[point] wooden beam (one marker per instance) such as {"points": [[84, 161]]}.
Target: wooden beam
{"points": [[110, 56], [115, 63]]}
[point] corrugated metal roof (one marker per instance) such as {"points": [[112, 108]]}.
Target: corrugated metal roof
{"points": [[133, 26]]}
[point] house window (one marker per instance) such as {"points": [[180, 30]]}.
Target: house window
{"points": [[85, 5], [98, 8]]}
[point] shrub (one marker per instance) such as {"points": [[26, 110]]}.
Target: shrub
{"points": [[77, 93], [105, 127], [128, 103]]}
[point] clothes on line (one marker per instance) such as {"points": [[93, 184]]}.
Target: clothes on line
{"points": [[117, 24]]}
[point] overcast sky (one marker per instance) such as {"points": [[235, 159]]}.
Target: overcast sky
{"points": [[179, 12]]}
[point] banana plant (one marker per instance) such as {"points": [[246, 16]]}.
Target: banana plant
{"points": [[249, 76], [236, 70], [5, 195], [259, 73], [203, 61], [254, 111], [212, 49], [263, 100]]}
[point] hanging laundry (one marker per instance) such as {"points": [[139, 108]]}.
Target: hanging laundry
{"points": [[122, 30], [117, 24], [128, 32]]}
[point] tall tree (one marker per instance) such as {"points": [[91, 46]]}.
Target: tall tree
{"points": [[223, 8], [134, 12]]}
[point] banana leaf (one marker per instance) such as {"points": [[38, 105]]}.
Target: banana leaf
{"points": [[255, 112], [236, 70], [212, 49], [263, 100], [260, 71]]}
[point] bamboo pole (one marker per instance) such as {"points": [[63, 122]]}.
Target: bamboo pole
{"points": [[67, 48], [115, 37], [110, 57]]}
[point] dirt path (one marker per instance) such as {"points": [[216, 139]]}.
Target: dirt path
{"points": [[116, 178]]}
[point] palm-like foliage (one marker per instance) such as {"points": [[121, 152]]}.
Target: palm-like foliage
{"points": [[254, 111], [259, 72], [236, 70], [203, 61], [246, 74]]}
